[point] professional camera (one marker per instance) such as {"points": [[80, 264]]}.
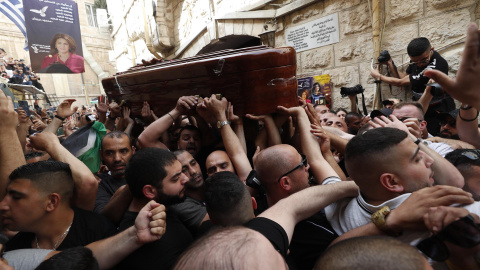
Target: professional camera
{"points": [[384, 56], [349, 91]]}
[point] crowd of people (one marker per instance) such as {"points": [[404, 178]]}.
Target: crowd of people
{"points": [[17, 71], [202, 188]]}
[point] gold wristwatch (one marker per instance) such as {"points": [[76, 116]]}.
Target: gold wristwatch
{"points": [[379, 218]]}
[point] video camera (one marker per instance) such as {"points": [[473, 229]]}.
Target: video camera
{"points": [[349, 91], [384, 56]]}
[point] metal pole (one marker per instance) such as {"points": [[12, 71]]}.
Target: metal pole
{"points": [[377, 103]]}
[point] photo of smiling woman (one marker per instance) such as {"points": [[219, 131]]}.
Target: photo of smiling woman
{"points": [[62, 51]]}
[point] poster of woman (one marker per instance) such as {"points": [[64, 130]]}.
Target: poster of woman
{"points": [[54, 38], [62, 52]]}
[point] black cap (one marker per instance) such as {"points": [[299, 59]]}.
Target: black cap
{"points": [[383, 111], [387, 102], [453, 114]]}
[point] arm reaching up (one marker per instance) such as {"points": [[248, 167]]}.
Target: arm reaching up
{"points": [[466, 84], [230, 140], [85, 183], [64, 110], [149, 137], [11, 152], [319, 166]]}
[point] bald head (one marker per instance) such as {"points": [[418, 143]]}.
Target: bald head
{"points": [[274, 161], [231, 248]]}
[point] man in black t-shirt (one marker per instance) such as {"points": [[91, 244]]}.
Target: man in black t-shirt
{"points": [[156, 174], [247, 247], [116, 152], [38, 204], [422, 57]]}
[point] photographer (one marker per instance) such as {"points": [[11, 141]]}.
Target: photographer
{"points": [[422, 57]]}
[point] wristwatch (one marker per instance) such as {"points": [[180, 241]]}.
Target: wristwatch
{"points": [[221, 124], [379, 218]]}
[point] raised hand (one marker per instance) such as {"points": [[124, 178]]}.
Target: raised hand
{"points": [[115, 109], [186, 105], [312, 115], [126, 115], [65, 109], [216, 107], [22, 116], [322, 137], [232, 117], [466, 84], [292, 111], [42, 141], [102, 107], [410, 214]]}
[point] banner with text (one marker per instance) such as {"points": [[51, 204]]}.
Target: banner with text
{"points": [[54, 38], [314, 34]]}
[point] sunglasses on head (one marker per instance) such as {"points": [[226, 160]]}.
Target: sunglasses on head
{"points": [[303, 163], [463, 232]]}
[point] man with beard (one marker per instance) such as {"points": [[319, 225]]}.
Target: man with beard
{"points": [[113, 195], [448, 125], [156, 174], [192, 211]]}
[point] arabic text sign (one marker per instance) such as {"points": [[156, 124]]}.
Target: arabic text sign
{"points": [[314, 34]]}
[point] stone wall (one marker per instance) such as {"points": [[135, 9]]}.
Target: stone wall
{"points": [[184, 27]]}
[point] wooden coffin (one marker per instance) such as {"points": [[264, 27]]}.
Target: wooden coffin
{"points": [[256, 80]]}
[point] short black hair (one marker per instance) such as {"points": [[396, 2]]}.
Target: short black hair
{"points": [[147, 167], [188, 127], [351, 115], [341, 110], [34, 154], [458, 159], [77, 258], [227, 199], [372, 143], [48, 176], [418, 46], [116, 134]]}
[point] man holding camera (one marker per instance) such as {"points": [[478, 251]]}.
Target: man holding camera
{"points": [[422, 57]]}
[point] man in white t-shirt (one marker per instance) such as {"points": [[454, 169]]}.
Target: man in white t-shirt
{"points": [[388, 165]]}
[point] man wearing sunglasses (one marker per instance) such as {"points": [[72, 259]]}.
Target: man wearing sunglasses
{"points": [[422, 57]]}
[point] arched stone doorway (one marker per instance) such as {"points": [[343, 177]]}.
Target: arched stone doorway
{"points": [[231, 42]]}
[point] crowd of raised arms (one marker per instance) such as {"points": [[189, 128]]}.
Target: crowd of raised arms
{"points": [[202, 188]]}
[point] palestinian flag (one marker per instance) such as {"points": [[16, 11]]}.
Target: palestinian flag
{"points": [[85, 144]]}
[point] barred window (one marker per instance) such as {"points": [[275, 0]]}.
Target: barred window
{"points": [[91, 18]]}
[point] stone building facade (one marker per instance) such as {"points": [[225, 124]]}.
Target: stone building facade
{"points": [[182, 28], [96, 45]]}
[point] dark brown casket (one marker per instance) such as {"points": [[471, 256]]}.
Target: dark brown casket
{"points": [[256, 80]]}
